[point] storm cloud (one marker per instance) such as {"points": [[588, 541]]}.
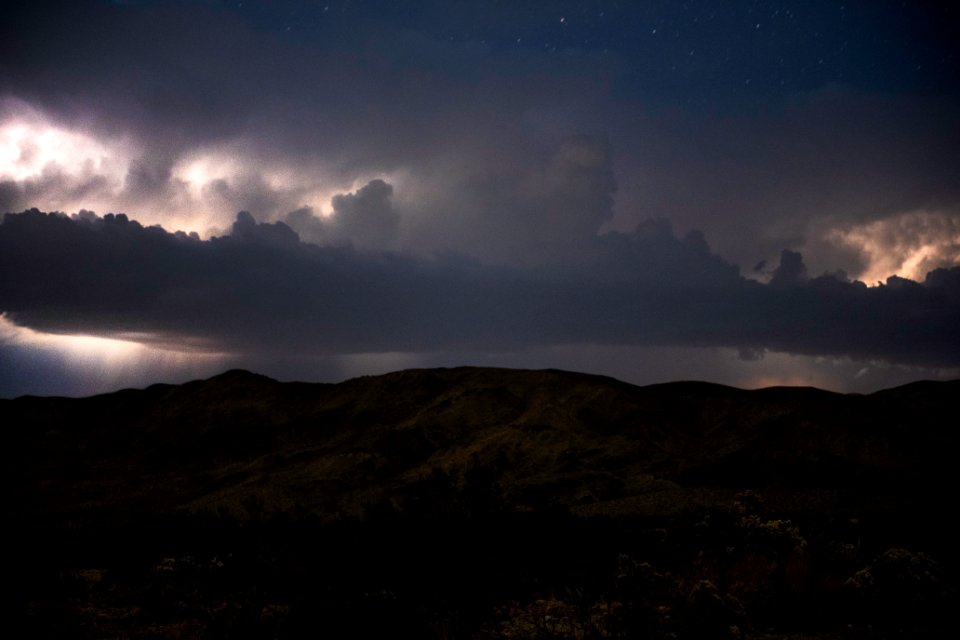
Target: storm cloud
{"points": [[425, 178], [365, 219], [285, 108], [262, 290]]}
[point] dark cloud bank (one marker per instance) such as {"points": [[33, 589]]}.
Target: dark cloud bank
{"points": [[262, 290]]}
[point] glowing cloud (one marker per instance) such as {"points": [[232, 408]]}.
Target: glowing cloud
{"points": [[200, 169], [30, 146], [908, 245], [109, 363], [53, 167], [106, 352]]}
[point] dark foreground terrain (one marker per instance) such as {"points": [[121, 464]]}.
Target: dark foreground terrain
{"points": [[482, 503]]}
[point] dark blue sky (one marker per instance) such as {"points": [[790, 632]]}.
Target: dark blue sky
{"points": [[654, 190], [728, 54]]}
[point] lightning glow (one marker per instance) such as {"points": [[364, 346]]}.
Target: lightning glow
{"points": [[908, 245], [110, 363], [200, 170]]}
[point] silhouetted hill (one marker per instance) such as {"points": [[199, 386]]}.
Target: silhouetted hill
{"points": [[496, 450], [589, 443]]}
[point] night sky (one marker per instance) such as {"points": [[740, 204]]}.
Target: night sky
{"points": [[751, 193]]}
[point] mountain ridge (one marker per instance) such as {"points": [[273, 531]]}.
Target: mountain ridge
{"points": [[555, 427]]}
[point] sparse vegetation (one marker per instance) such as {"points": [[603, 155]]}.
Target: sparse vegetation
{"points": [[357, 518]]}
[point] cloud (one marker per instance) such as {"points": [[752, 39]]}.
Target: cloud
{"points": [[512, 156], [365, 219], [246, 230], [262, 290], [908, 244], [653, 254], [791, 270], [787, 175], [542, 193], [535, 207], [82, 365], [252, 120]]}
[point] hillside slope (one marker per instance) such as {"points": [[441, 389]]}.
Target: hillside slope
{"points": [[543, 438], [482, 503]]}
